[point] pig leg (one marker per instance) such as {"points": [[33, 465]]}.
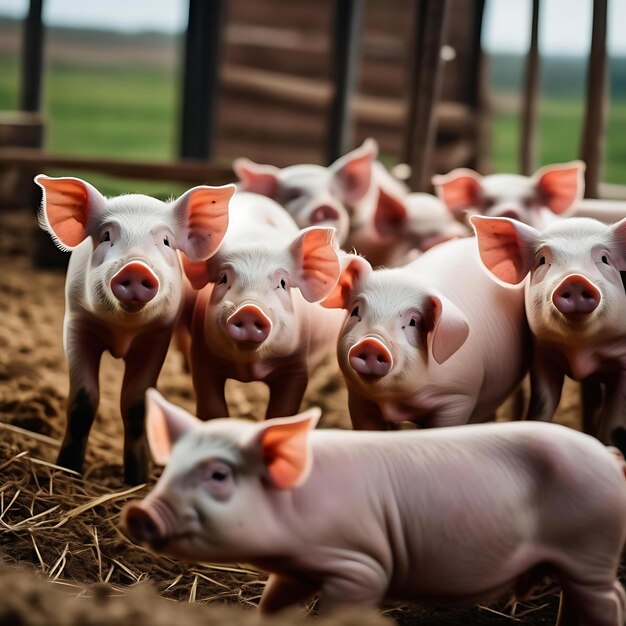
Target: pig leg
{"points": [[591, 605], [365, 415], [84, 352], [143, 365], [208, 381], [281, 592], [591, 400], [614, 414], [358, 590], [286, 393], [546, 384]]}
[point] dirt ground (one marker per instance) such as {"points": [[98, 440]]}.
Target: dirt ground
{"points": [[67, 528]]}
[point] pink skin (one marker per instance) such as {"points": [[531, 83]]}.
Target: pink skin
{"points": [[256, 316], [553, 190], [575, 302], [238, 491], [123, 294], [435, 342]]}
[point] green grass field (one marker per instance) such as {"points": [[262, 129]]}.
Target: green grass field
{"points": [[131, 112]]}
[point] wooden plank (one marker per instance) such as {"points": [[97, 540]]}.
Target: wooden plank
{"points": [[32, 58], [530, 102], [344, 60], [594, 124], [430, 21], [188, 171], [200, 79]]}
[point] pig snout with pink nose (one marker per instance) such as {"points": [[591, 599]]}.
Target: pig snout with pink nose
{"points": [[135, 285], [249, 324], [370, 357], [576, 295]]}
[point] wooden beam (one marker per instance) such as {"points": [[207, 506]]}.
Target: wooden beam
{"points": [[32, 58], [594, 124], [188, 171], [528, 140], [430, 22], [346, 44], [200, 79]]}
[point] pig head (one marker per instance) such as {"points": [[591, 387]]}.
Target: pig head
{"points": [[123, 292], [575, 303], [552, 190]]}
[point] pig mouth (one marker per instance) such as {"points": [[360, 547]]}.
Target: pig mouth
{"points": [[132, 307]]}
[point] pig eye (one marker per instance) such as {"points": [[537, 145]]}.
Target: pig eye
{"points": [[605, 259], [413, 322], [355, 312], [283, 284], [166, 241], [223, 280], [542, 260], [220, 474], [106, 236]]}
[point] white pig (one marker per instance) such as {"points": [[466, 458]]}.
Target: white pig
{"points": [[535, 200], [454, 515], [435, 342], [257, 316], [123, 293], [576, 308]]}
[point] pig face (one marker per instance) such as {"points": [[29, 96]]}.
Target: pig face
{"points": [[394, 330], [555, 187], [133, 266], [213, 501], [575, 289], [252, 309], [314, 195]]}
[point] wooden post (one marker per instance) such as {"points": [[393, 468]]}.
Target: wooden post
{"points": [[594, 125], [345, 52], [32, 58], [528, 140], [424, 92], [200, 79]]}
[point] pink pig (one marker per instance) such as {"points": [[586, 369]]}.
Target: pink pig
{"points": [[454, 515], [257, 316], [535, 200], [435, 342], [123, 293], [576, 308]]}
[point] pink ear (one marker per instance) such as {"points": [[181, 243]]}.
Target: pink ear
{"points": [[198, 272], [316, 262], [166, 423], [390, 216], [449, 326], [506, 246], [619, 235], [262, 179], [354, 269], [286, 450], [67, 206], [352, 173], [460, 189], [560, 186], [202, 219]]}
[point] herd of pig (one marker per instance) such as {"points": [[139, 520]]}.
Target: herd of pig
{"points": [[431, 326]]}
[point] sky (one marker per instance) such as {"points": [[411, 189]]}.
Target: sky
{"points": [[565, 25]]}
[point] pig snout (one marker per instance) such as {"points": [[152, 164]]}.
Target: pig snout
{"points": [[135, 284], [144, 524], [370, 357], [576, 296], [324, 213], [249, 324]]}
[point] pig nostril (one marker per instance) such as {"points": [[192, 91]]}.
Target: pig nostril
{"points": [[259, 326], [146, 284], [587, 296], [239, 324], [380, 359], [566, 295], [125, 283]]}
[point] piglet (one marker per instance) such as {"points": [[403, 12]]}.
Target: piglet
{"points": [[435, 342], [454, 515], [553, 190], [576, 308], [123, 293], [257, 316]]}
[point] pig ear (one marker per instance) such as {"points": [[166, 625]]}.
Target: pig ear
{"points": [[354, 269], [257, 178], [460, 189], [390, 216], [352, 173], [201, 216], [286, 449], [166, 423], [199, 273], [316, 262], [506, 246], [619, 234], [448, 325], [68, 206], [560, 186]]}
